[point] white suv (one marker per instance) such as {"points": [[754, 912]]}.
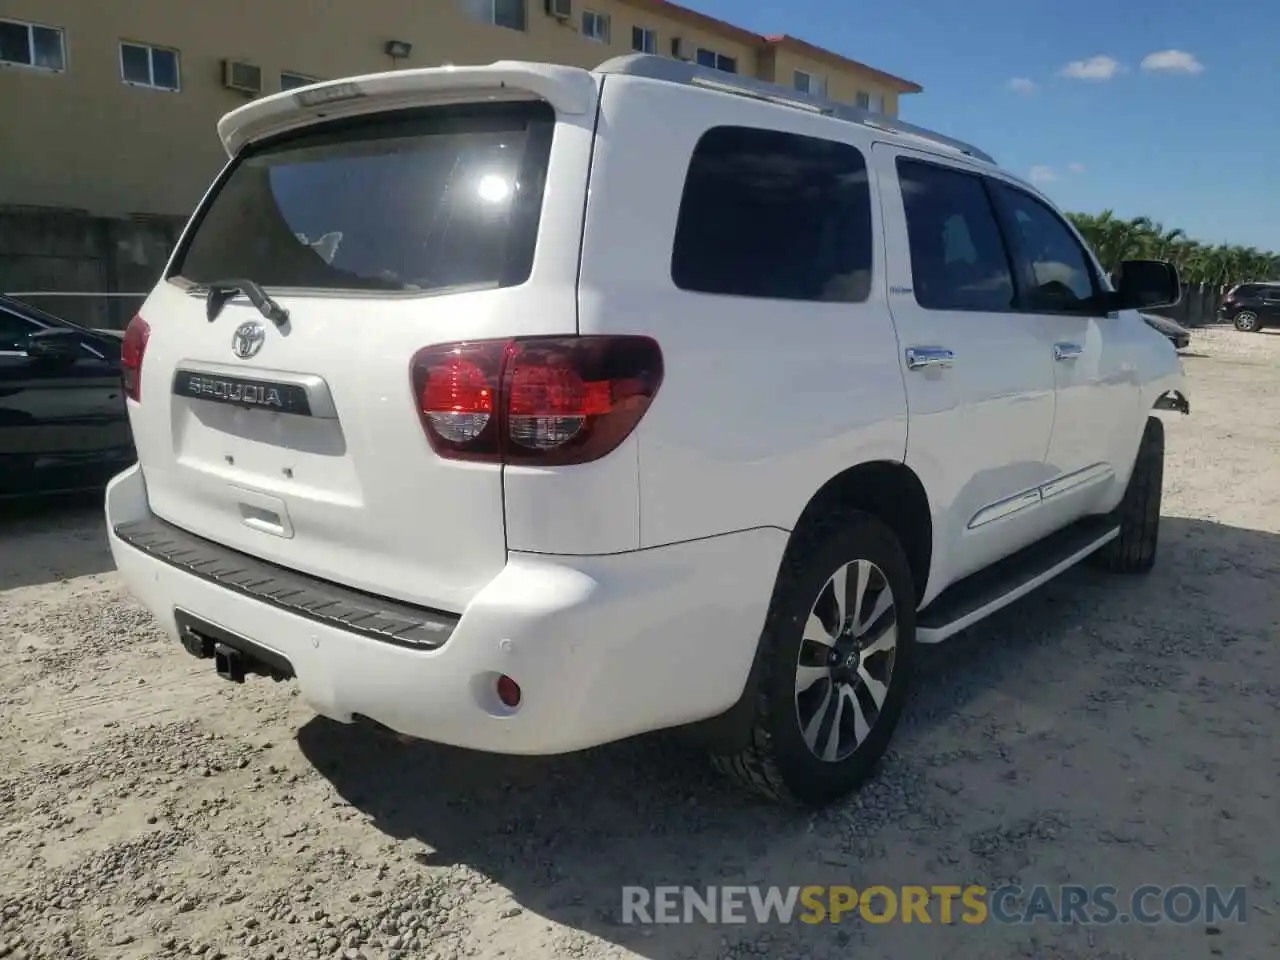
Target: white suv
{"points": [[526, 408]]}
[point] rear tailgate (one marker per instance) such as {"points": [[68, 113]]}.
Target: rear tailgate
{"points": [[395, 213]]}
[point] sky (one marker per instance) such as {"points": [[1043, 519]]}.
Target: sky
{"points": [[1165, 110]]}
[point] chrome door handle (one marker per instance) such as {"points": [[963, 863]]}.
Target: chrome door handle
{"points": [[1067, 351], [920, 358]]}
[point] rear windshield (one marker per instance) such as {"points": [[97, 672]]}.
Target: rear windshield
{"points": [[435, 198]]}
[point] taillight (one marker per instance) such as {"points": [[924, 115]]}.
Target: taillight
{"points": [[549, 401], [131, 354]]}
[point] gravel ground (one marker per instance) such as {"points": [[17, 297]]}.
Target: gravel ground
{"points": [[1102, 731]]}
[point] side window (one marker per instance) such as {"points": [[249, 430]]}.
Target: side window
{"points": [[958, 258], [774, 215], [14, 331], [1052, 263]]}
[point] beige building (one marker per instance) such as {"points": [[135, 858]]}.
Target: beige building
{"points": [[109, 107]]}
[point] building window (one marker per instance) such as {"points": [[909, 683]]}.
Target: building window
{"points": [[864, 100], [810, 83], [595, 26], [643, 40], [291, 81], [146, 66], [876, 103], [709, 58], [500, 13], [31, 45], [774, 215]]}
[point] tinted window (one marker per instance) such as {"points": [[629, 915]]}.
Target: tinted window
{"points": [[769, 214], [135, 63], [958, 259], [1054, 268], [14, 331], [15, 42], [427, 200]]}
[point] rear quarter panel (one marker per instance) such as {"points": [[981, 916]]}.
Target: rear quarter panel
{"points": [[763, 400]]}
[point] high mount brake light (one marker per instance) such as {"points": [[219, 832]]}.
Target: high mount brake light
{"points": [[132, 352], [545, 401]]}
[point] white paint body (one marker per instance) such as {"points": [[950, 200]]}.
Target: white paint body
{"points": [[626, 594]]}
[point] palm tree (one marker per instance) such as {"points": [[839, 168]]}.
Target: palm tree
{"points": [[1114, 239]]}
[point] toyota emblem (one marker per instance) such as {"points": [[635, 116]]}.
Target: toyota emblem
{"points": [[248, 339]]}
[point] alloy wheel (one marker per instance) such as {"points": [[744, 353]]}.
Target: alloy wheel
{"points": [[846, 660], [1246, 320]]}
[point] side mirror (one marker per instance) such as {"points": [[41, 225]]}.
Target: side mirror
{"points": [[1145, 285], [57, 345]]}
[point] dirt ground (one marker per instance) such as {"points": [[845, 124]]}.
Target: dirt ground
{"points": [[1102, 731]]}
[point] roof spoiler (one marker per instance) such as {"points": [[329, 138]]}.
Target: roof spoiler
{"points": [[570, 90]]}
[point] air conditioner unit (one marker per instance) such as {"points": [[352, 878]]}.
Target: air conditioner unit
{"points": [[560, 9], [245, 77], [678, 49]]}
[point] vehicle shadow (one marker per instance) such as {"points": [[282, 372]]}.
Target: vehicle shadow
{"points": [[564, 835], [49, 539]]}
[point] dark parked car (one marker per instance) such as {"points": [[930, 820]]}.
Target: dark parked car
{"points": [[1178, 335], [63, 423], [1251, 306]]}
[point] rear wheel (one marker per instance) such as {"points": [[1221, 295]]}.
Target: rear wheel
{"points": [[835, 664], [1134, 549], [1247, 321]]}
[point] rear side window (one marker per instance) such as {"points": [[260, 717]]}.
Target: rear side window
{"points": [[774, 215], [958, 257], [426, 200]]}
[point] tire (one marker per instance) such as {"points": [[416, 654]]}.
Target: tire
{"points": [[1246, 321], [778, 763], [1134, 550]]}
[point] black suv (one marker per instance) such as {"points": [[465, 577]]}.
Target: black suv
{"points": [[1251, 306]]}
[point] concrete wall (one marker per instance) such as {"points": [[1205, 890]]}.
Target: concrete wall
{"points": [[68, 252], [82, 138]]}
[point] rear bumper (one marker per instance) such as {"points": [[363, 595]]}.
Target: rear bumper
{"points": [[602, 647]]}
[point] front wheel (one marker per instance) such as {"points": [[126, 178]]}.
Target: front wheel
{"points": [[1247, 322], [1134, 548], [835, 664]]}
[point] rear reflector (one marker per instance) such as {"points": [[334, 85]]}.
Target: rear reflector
{"points": [[132, 352], [546, 401], [508, 691]]}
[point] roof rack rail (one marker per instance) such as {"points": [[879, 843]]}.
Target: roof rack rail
{"points": [[656, 67]]}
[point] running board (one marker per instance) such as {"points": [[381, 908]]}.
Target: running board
{"points": [[981, 594]]}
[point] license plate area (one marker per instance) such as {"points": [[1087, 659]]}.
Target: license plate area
{"points": [[234, 656]]}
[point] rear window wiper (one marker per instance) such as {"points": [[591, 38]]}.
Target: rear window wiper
{"points": [[220, 291]]}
